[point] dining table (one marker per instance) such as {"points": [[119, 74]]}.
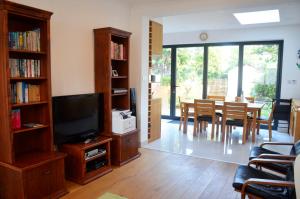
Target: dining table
{"points": [[254, 108]]}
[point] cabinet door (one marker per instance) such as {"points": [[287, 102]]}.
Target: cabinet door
{"points": [[45, 180], [129, 146], [36, 182]]}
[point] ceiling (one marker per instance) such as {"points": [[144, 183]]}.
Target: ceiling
{"points": [[217, 14]]}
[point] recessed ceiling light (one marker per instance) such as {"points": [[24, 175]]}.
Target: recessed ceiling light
{"points": [[266, 16]]}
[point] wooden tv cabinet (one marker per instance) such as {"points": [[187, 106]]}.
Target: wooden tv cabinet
{"points": [[77, 168]]}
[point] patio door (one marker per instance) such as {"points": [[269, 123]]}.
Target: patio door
{"points": [[188, 80]]}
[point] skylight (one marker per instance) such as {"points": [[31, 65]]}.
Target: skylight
{"points": [[266, 16]]}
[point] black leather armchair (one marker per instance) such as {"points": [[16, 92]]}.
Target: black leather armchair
{"points": [[261, 152], [260, 184]]}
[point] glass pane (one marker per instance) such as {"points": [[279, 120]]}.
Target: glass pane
{"points": [[222, 74], [260, 73], [161, 69], [189, 74]]}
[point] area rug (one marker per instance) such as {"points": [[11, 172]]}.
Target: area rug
{"points": [[108, 195]]}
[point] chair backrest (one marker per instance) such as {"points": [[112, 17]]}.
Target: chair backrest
{"points": [[204, 107], [235, 110], [216, 97], [297, 176], [249, 99]]}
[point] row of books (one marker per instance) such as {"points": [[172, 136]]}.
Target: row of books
{"points": [[117, 51], [25, 67], [22, 92], [29, 40], [16, 118]]}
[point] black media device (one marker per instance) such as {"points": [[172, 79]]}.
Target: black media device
{"points": [[133, 101], [77, 117]]}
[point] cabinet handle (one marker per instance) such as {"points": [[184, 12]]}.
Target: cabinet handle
{"points": [[47, 172]]}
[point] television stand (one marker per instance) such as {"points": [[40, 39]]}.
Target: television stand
{"points": [[87, 161]]}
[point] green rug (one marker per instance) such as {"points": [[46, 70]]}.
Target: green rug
{"points": [[108, 195]]}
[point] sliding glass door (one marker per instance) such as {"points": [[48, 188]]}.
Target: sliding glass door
{"points": [[222, 75], [189, 74], [194, 71]]}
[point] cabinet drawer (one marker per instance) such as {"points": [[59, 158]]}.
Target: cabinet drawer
{"points": [[44, 180], [129, 146]]}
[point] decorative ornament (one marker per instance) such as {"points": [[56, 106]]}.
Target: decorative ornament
{"points": [[298, 59]]}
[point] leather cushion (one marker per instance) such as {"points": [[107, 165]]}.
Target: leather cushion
{"points": [[256, 151], [244, 172], [206, 118], [234, 122]]}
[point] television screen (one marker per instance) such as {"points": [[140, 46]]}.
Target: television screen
{"points": [[77, 117]]}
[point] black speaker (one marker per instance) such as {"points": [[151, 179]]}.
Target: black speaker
{"points": [[133, 101]]}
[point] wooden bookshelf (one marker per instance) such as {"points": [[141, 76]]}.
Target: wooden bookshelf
{"points": [[106, 60], [29, 166]]}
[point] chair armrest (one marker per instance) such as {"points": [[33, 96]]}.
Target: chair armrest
{"points": [[277, 156], [279, 183], [276, 143], [258, 161]]}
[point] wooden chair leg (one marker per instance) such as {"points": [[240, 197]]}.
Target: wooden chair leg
{"points": [[180, 123], [213, 123], [270, 132], [195, 126], [244, 132]]}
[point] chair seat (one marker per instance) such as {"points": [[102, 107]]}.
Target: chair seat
{"points": [[205, 118], [219, 114], [234, 122], [244, 172], [262, 118], [256, 151]]}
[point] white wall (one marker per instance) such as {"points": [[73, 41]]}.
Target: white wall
{"points": [[290, 35], [72, 47]]}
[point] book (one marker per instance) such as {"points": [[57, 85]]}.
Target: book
{"points": [[16, 119]]}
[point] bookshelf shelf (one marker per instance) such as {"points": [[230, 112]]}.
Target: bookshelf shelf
{"points": [[29, 104], [121, 60], [27, 78], [118, 94], [119, 77], [24, 129], [17, 51]]}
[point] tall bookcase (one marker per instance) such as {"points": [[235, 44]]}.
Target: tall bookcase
{"points": [[29, 166], [111, 49]]}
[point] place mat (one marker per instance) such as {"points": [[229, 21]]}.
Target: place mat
{"points": [[108, 195]]}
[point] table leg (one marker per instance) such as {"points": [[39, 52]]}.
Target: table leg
{"points": [[254, 126], [186, 110]]}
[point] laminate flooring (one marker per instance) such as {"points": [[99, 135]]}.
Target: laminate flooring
{"points": [[163, 175]]}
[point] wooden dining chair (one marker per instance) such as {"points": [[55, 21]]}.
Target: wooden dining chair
{"points": [[205, 111], [235, 114], [216, 97], [182, 113], [268, 121]]}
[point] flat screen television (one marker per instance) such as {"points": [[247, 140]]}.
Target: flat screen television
{"points": [[77, 118]]}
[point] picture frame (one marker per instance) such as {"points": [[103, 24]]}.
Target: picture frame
{"points": [[115, 73]]}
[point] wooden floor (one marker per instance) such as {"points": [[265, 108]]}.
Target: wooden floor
{"points": [[163, 175]]}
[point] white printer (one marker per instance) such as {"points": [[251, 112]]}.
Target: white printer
{"points": [[122, 121]]}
